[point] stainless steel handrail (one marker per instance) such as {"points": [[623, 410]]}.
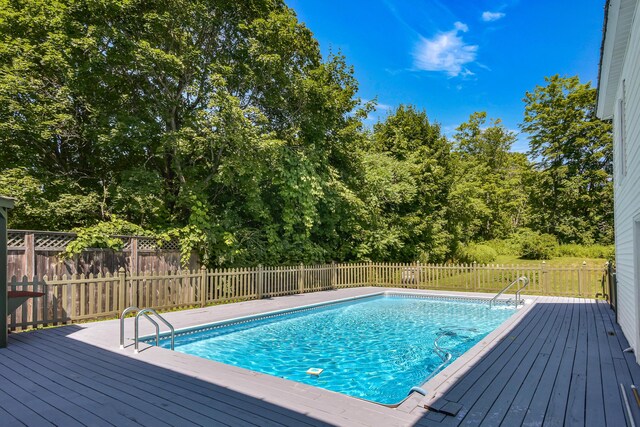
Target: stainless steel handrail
{"points": [[523, 279], [144, 312], [129, 310], [124, 313]]}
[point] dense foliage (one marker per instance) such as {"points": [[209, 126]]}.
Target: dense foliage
{"points": [[220, 123]]}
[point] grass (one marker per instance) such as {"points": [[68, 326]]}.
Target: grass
{"points": [[554, 262]]}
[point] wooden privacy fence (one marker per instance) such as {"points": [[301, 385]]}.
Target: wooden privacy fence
{"points": [[80, 297], [38, 253]]}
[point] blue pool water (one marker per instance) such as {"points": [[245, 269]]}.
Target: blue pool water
{"points": [[374, 348]]}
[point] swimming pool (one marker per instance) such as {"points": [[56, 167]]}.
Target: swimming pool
{"points": [[374, 347]]}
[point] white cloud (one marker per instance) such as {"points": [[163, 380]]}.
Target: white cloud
{"points": [[445, 52], [492, 16]]}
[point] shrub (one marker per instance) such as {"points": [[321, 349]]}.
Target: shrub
{"points": [[538, 246], [504, 246], [482, 254], [587, 251]]}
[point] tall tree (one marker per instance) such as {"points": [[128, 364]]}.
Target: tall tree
{"points": [[572, 195], [488, 196], [220, 118], [409, 136]]}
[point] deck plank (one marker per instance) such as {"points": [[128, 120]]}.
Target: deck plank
{"points": [[613, 405], [595, 408], [623, 363], [10, 420], [106, 412], [528, 369], [179, 407], [556, 408], [43, 404], [512, 346], [495, 355], [539, 401], [22, 413], [198, 391], [39, 366], [498, 393], [545, 359], [576, 401]]}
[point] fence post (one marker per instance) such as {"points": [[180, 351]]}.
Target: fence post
{"points": [[133, 257], [370, 274], [301, 279], [580, 277], [417, 274], [260, 286], [29, 255], [134, 285], [334, 276], [543, 278], [203, 286], [476, 276], [121, 282]]}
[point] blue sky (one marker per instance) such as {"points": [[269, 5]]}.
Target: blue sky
{"points": [[454, 57]]}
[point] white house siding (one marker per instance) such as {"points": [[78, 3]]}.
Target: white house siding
{"points": [[627, 189]]}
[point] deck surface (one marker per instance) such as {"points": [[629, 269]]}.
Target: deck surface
{"points": [[557, 362]]}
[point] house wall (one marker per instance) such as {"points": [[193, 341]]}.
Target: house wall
{"points": [[627, 189]]}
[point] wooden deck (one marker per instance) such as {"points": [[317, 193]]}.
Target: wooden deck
{"points": [[558, 362]]}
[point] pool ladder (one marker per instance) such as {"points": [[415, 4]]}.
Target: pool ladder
{"points": [[143, 313], [522, 279]]}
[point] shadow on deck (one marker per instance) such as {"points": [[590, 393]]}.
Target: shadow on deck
{"points": [[48, 378]]}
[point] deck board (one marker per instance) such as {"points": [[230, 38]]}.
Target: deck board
{"points": [[522, 376], [613, 405], [595, 410], [179, 407], [482, 371], [197, 393], [505, 382], [516, 412], [561, 363], [575, 410]]}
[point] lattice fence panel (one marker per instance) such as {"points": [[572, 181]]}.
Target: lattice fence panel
{"points": [[53, 242], [147, 244], [15, 240], [171, 245]]}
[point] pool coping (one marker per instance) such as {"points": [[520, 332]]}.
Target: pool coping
{"points": [[453, 370]]}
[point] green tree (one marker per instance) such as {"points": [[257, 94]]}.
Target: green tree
{"points": [[220, 119], [488, 199], [408, 136], [571, 191]]}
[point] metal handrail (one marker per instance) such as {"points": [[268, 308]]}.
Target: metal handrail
{"points": [[124, 313], [144, 312], [122, 316], [523, 279]]}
